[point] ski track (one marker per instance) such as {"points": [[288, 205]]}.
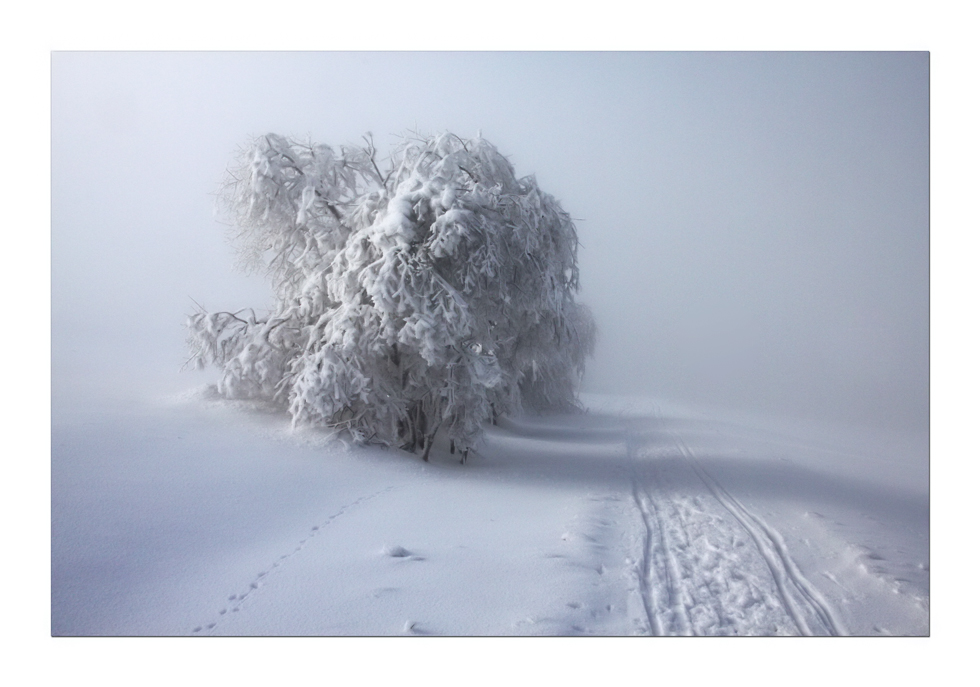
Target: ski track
{"points": [[659, 573], [645, 572], [699, 574], [238, 599], [771, 545]]}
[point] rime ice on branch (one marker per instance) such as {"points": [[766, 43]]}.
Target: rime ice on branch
{"points": [[434, 291]]}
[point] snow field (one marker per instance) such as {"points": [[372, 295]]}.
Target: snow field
{"points": [[200, 518]]}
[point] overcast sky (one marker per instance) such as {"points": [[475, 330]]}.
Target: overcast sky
{"points": [[754, 226]]}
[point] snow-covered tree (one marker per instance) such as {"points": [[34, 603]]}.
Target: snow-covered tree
{"points": [[433, 291]]}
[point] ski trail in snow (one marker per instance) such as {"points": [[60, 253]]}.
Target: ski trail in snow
{"points": [[237, 600], [786, 574], [673, 606], [661, 592], [698, 572], [645, 573]]}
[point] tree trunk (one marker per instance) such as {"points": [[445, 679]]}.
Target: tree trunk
{"points": [[428, 442]]}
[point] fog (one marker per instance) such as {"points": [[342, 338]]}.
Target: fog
{"points": [[754, 227]]}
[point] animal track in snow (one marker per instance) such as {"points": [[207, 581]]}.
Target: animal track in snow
{"points": [[258, 581]]}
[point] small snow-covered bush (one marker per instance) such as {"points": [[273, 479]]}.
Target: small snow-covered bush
{"points": [[437, 292]]}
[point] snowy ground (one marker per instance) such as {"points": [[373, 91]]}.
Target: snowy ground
{"points": [[192, 516]]}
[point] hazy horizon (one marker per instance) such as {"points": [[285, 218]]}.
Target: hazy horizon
{"points": [[754, 227]]}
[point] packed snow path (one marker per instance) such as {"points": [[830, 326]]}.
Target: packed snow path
{"points": [[201, 518], [705, 564], [698, 575]]}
